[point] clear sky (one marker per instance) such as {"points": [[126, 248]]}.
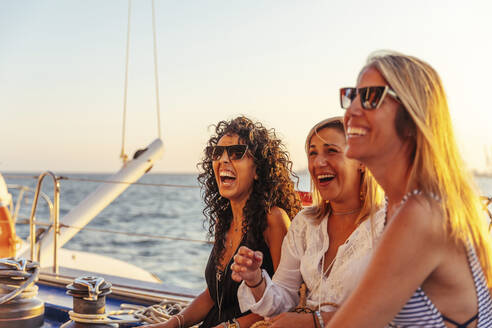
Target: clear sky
{"points": [[278, 61]]}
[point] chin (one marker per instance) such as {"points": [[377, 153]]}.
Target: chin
{"points": [[225, 194], [353, 153], [327, 195]]}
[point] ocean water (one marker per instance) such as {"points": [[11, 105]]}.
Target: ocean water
{"points": [[151, 210]]}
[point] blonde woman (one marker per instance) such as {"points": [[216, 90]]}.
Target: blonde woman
{"points": [[433, 265], [327, 246]]}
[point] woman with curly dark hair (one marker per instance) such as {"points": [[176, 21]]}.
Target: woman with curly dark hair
{"points": [[249, 199]]}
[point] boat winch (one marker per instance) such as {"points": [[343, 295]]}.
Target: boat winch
{"points": [[19, 306], [89, 302]]}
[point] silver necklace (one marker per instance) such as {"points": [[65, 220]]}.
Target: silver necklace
{"points": [[218, 277]]}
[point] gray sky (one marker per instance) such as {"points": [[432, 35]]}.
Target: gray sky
{"points": [[280, 61]]}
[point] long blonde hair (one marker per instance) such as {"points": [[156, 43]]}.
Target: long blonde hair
{"points": [[437, 166], [371, 193]]}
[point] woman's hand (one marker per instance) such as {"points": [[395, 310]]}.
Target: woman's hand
{"points": [[246, 266], [168, 324], [292, 319]]}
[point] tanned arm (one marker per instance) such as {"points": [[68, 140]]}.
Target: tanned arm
{"points": [[411, 248]]}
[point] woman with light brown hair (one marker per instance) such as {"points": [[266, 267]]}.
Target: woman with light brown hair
{"points": [[327, 246], [433, 264]]}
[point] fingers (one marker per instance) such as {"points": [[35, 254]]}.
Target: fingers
{"points": [[258, 256], [243, 250], [241, 260], [246, 264], [244, 254], [236, 277], [247, 260]]}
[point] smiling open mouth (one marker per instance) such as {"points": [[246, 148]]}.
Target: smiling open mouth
{"points": [[227, 177], [356, 132], [322, 178]]}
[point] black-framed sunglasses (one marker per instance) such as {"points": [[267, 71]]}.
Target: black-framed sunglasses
{"points": [[235, 152], [370, 97]]}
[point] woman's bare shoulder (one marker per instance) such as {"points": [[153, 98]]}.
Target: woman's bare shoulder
{"points": [[277, 217], [422, 217]]}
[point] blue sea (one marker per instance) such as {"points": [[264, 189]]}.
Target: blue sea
{"points": [[151, 210]]}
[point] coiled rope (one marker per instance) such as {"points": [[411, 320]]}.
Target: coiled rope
{"points": [[152, 314]]}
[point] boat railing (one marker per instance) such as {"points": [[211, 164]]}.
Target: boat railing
{"points": [[23, 190], [116, 232], [487, 201], [54, 217], [26, 220]]}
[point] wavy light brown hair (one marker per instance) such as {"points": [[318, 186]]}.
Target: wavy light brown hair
{"points": [[371, 192], [274, 186], [436, 166]]}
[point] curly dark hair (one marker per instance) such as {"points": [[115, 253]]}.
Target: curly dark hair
{"points": [[274, 186]]}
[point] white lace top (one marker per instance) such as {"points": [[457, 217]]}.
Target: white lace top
{"points": [[303, 249]]}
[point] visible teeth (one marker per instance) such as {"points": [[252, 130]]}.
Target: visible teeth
{"points": [[325, 176], [227, 174], [356, 131]]}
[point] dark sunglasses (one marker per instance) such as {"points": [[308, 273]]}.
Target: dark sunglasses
{"points": [[370, 97], [235, 152]]}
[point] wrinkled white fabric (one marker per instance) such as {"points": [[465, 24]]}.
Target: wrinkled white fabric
{"points": [[303, 249]]}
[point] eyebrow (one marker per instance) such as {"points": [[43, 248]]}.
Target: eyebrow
{"points": [[326, 145]]}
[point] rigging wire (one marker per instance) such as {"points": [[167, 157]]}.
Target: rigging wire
{"points": [[123, 155], [156, 73]]}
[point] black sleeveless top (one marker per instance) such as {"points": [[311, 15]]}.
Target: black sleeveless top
{"points": [[225, 292]]}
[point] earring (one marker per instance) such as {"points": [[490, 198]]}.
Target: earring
{"points": [[361, 168]]}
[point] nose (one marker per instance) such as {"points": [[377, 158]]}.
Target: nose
{"points": [[355, 109], [320, 161], [224, 157]]}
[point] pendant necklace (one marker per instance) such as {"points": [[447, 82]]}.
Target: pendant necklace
{"points": [[218, 277]]}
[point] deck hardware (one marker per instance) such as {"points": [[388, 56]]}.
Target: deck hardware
{"points": [[89, 297], [19, 306]]}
